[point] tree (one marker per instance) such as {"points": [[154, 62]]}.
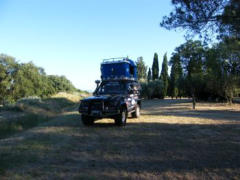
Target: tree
{"points": [[192, 55], [61, 84], [149, 76], [18, 80], [164, 74], [155, 67], [4, 83], [202, 16], [229, 61], [176, 77], [155, 89], [7, 70], [142, 68], [28, 81], [209, 73], [230, 20]]}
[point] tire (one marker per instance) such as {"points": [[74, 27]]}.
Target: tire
{"points": [[136, 113], [87, 120], [121, 119]]}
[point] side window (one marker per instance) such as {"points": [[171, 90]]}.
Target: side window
{"points": [[136, 88], [131, 70], [102, 90]]}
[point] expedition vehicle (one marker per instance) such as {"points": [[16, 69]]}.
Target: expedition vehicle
{"points": [[116, 96]]}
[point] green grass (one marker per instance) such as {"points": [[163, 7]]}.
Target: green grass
{"points": [[10, 107], [32, 112]]}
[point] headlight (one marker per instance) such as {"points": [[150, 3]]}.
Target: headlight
{"points": [[84, 104], [110, 105]]}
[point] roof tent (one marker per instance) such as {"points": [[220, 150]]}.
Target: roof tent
{"points": [[119, 69]]}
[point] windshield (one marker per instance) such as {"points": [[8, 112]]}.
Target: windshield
{"points": [[112, 88]]}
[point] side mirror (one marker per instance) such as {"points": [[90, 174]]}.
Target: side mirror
{"points": [[97, 82]]}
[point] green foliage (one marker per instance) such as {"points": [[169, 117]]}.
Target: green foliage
{"points": [[145, 90], [155, 67], [205, 17], [208, 73], [142, 68], [149, 76], [217, 69], [28, 82], [176, 78], [18, 80], [230, 20], [164, 75], [7, 70], [191, 55], [61, 84], [152, 89], [4, 83], [224, 65]]}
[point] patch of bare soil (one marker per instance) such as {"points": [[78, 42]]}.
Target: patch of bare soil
{"points": [[169, 141]]}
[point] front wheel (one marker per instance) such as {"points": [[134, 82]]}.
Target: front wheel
{"points": [[87, 120], [121, 119], [136, 113]]}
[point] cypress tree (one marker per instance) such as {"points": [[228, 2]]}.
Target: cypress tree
{"points": [[164, 74], [149, 76], [142, 68], [155, 67], [176, 76]]}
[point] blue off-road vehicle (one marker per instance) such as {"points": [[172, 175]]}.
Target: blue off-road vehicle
{"points": [[116, 95]]}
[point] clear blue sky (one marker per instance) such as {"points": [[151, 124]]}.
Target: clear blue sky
{"points": [[71, 37]]}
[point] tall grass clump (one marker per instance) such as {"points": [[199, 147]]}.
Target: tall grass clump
{"points": [[20, 124]]}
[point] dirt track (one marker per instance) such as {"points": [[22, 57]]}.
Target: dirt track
{"points": [[170, 140]]}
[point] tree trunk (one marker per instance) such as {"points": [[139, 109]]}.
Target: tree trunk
{"points": [[193, 101], [229, 100]]}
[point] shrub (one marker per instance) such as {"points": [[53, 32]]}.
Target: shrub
{"points": [[152, 89]]}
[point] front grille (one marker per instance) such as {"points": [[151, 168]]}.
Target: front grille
{"points": [[97, 106]]}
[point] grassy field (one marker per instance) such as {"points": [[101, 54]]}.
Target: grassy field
{"points": [[169, 141]]}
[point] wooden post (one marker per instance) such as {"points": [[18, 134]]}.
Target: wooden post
{"points": [[193, 101]]}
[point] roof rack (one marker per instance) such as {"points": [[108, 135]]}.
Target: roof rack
{"points": [[115, 60], [119, 79]]}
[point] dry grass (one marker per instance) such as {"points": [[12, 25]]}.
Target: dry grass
{"points": [[74, 97], [30, 112], [169, 141]]}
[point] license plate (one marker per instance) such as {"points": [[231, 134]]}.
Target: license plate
{"points": [[96, 113]]}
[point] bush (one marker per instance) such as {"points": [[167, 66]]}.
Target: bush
{"points": [[18, 80], [152, 89]]}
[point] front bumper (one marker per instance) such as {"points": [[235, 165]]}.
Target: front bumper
{"points": [[98, 109], [99, 113]]}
